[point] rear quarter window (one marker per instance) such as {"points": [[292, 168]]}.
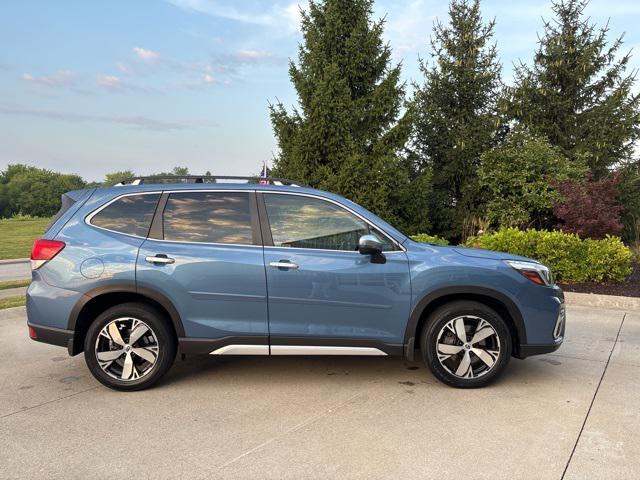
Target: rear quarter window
{"points": [[131, 214]]}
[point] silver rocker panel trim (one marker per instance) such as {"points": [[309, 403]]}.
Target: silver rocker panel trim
{"points": [[323, 350], [295, 350], [242, 350]]}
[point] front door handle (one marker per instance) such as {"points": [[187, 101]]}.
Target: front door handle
{"points": [[160, 258], [284, 264]]}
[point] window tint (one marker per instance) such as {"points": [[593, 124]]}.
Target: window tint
{"points": [[306, 222], [213, 217], [131, 214]]}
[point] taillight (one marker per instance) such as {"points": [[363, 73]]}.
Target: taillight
{"points": [[32, 333], [43, 251]]}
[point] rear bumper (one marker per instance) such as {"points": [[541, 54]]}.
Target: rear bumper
{"points": [[51, 335]]}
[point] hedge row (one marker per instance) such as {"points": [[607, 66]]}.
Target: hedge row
{"points": [[570, 258], [426, 238]]}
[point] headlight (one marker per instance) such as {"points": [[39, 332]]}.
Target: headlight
{"points": [[536, 272]]}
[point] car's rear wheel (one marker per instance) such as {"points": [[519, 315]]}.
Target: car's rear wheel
{"points": [[466, 344], [129, 347]]}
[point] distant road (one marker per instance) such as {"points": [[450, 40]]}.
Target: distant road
{"points": [[15, 269]]}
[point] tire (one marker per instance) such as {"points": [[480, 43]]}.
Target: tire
{"points": [[140, 363], [466, 364]]}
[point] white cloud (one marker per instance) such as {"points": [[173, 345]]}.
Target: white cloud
{"points": [[409, 24], [110, 82], [291, 14], [62, 78], [123, 67], [224, 9], [254, 55], [145, 54], [137, 122], [208, 79], [252, 11], [204, 80], [115, 84]]}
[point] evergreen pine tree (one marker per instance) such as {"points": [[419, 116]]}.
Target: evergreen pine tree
{"points": [[349, 131], [576, 93], [456, 113]]}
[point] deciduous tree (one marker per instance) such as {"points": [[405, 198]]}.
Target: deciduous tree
{"points": [[518, 177]]}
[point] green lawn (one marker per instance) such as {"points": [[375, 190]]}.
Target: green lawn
{"points": [[11, 302], [14, 284], [17, 236]]}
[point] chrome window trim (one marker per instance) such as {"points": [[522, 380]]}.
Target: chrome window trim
{"points": [[204, 243], [389, 252], [330, 200], [90, 216]]}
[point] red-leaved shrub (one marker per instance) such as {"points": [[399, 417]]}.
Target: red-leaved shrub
{"points": [[589, 208]]}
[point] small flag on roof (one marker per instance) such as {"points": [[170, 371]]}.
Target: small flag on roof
{"points": [[264, 174]]}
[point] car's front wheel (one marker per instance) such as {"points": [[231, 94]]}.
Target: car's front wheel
{"points": [[129, 347], [466, 344]]}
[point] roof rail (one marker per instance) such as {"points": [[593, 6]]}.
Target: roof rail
{"points": [[206, 179]]}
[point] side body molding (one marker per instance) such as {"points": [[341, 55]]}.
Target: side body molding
{"points": [[460, 291]]}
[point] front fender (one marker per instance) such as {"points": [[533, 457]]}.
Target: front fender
{"points": [[460, 291]]}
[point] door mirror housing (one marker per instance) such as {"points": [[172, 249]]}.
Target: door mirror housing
{"points": [[369, 245]]}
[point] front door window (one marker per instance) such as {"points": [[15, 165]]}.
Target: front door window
{"points": [[306, 222]]}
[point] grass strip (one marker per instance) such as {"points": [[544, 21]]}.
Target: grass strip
{"points": [[11, 302], [14, 284]]}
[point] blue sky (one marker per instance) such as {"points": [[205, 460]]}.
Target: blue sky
{"points": [[96, 86]]}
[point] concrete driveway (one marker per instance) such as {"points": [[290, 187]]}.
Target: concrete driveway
{"points": [[18, 269], [573, 415]]}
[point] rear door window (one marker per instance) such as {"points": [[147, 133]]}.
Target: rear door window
{"points": [[209, 217], [131, 214]]}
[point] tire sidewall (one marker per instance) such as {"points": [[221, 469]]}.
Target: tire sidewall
{"points": [[439, 318], [164, 335]]}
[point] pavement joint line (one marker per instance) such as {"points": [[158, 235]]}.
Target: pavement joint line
{"points": [[295, 428], [48, 402], [595, 394], [574, 358]]}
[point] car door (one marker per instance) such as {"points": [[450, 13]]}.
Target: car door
{"points": [[204, 254], [321, 291]]}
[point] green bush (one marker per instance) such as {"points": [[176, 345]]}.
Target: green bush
{"points": [[570, 258], [517, 179], [426, 238]]}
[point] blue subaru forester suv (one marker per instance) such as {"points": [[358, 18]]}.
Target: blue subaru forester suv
{"points": [[133, 274]]}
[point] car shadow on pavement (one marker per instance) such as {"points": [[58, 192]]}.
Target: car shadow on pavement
{"points": [[292, 370]]}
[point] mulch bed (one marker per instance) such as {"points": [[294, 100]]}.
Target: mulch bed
{"points": [[629, 288]]}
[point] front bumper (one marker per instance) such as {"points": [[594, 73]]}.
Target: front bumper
{"points": [[528, 350]]}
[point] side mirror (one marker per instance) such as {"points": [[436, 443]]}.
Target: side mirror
{"points": [[369, 245]]}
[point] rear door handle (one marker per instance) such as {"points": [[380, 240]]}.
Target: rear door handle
{"points": [[284, 264], [163, 259]]}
